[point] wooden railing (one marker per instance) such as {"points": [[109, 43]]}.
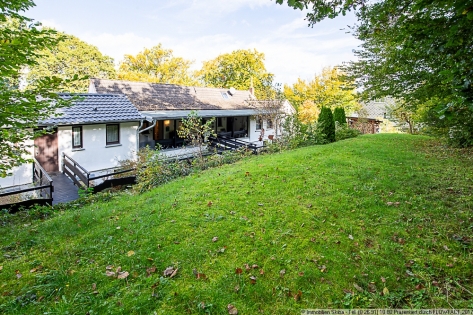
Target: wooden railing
{"points": [[41, 177], [232, 143], [82, 178], [79, 175], [42, 183]]}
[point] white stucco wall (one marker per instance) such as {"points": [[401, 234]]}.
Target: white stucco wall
{"points": [[22, 174], [254, 133], [95, 154]]}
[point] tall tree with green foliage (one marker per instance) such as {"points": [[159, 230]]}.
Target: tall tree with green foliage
{"points": [[71, 57], [21, 43], [156, 65], [339, 116], [419, 51], [327, 89], [326, 124], [238, 69]]}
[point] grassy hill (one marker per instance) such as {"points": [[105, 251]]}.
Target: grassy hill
{"points": [[376, 221]]}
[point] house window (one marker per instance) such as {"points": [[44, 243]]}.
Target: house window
{"points": [[77, 137], [259, 122], [269, 124], [113, 134]]}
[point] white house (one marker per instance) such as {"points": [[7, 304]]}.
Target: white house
{"points": [[234, 110], [97, 131]]}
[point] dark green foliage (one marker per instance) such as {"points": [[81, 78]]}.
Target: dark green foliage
{"points": [[21, 40], [326, 124], [345, 132], [339, 116], [420, 51]]}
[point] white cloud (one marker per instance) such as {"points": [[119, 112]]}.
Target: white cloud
{"points": [[287, 59], [116, 46]]}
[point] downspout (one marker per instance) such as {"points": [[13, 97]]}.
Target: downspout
{"points": [[148, 128], [138, 131]]}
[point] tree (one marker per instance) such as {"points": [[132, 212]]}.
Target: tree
{"points": [[239, 69], [308, 112], [321, 9], [339, 116], [420, 51], [328, 89], [326, 124], [156, 65], [196, 132], [21, 41], [71, 57]]}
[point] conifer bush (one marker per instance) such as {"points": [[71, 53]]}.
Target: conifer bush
{"points": [[339, 116], [326, 124]]}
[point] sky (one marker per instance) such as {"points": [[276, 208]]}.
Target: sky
{"points": [[200, 30]]}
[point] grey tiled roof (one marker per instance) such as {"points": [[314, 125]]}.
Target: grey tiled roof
{"points": [[156, 96], [373, 109], [95, 108]]}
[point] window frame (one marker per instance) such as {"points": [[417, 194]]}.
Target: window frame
{"points": [[81, 138], [260, 119], [106, 134]]}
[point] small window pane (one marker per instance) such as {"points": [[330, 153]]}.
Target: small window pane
{"points": [[259, 123], [112, 134], [77, 137]]}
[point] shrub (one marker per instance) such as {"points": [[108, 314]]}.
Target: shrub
{"points": [[345, 132], [326, 124], [339, 116]]}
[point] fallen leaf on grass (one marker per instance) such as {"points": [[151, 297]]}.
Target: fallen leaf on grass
{"points": [[110, 273], [1, 268], [130, 253], [323, 268], [174, 273], [237, 288], [301, 274], [238, 271], [358, 288], [169, 271], [383, 280], [298, 295], [255, 266], [350, 237], [214, 239], [247, 267], [385, 291], [94, 286], [150, 270], [282, 273], [261, 272], [419, 286], [109, 267], [372, 287], [201, 276], [252, 279], [209, 204], [18, 274], [232, 310]]}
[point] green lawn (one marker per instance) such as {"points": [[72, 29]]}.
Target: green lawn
{"points": [[376, 221]]}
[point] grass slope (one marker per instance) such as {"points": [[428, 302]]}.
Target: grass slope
{"points": [[376, 221]]}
